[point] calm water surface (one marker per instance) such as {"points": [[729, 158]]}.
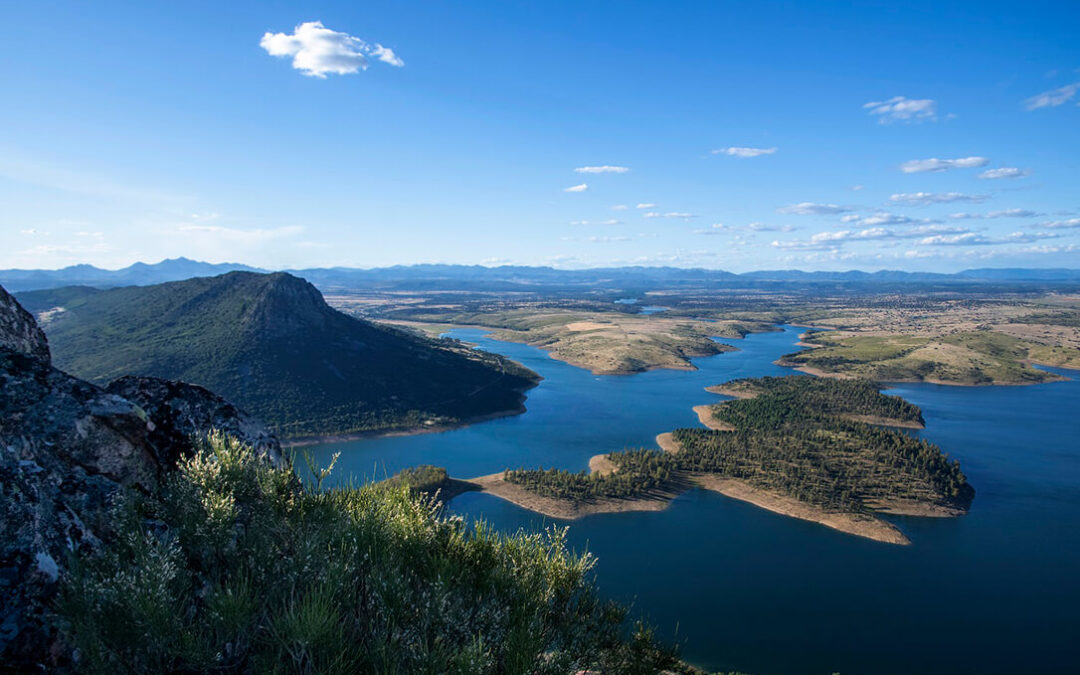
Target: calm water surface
{"points": [[741, 588]]}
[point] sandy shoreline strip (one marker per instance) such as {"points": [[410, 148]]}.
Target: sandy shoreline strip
{"points": [[706, 416], [857, 524]]}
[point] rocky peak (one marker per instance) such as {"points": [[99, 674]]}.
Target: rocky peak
{"points": [[18, 331]]}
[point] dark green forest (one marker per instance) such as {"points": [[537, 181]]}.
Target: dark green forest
{"points": [[792, 437]]}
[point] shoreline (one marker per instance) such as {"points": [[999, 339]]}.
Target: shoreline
{"points": [[319, 439], [706, 417], [860, 525], [810, 370]]}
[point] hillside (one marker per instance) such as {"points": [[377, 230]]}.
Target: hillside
{"points": [[272, 344]]}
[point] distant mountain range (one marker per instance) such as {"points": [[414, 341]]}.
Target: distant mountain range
{"points": [[271, 344], [508, 277]]}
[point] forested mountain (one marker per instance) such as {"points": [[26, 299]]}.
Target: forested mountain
{"points": [[270, 343]]}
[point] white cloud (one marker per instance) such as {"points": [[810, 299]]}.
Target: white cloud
{"points": [[935, 164], [812, 209], [608, 240], [927, 198], [1069, 224], [317, 51], [744, 153], [832, 240], [577, 188], [903, 109], [619, 207], [610, 221], [1052, 98], [856, 188], [30, 232], [1004, 172], [670, 214], [975, 239], [1007, 213], [646, 205], [601, 169]]}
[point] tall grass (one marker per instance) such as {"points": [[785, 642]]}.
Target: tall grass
{"points": [[237, 567]]}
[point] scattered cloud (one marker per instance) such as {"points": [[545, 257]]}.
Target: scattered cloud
{"points": [[934, 164], [976, 239], [610, 221], [927, 198], [1052, 98], [1071, 223], [1004, 172], [1007, 213], [721, 228], [744, 153], [619, 207], [670, 214], [317, 51], [902, 109], [601, 169], [856, 188], [829, 240], [608, 240], [577, 188], [882, 218], [646, 205], [28, 232], [812, 209]]}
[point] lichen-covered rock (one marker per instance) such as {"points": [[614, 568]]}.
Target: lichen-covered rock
{"points": [[182, 411], [18, 330], [67, 448]]}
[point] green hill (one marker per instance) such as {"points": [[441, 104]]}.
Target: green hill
{"points": [[270, 343]]}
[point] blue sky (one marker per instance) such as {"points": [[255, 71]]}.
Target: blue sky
{"points": [[235, 132]]}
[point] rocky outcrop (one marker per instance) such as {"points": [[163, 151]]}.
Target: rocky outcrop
{"points": [[18, 331], [67, 448], [182, 411]]}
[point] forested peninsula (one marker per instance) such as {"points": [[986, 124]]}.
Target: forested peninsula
{"points": [[818, 449]]}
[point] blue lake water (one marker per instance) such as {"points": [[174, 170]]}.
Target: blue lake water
{"points": [[996, 591]]}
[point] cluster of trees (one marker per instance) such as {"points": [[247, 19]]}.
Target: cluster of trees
{"points": [[424, 478], [639, 471], [797, 400]]}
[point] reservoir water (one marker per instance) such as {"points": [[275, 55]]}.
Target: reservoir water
{"points": [[996, 591]]}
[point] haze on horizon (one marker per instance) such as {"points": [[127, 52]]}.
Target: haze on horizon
{"points": [[733, 136]]}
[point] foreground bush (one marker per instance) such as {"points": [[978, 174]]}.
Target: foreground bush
{"points": [[236, 567]]}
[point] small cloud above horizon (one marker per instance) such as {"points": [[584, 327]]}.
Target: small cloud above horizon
{"points": [[744, 153], [317, 51], [1004, 172], [937, 165], [1052, 98], [812, 209], [601, 169], [577, 188], [927, 198], [903, 109]]}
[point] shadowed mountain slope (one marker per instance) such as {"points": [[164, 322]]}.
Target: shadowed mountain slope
{"points": [[271, 343]]}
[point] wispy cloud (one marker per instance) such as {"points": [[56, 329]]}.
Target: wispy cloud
{"points": [[601, 169], [610, 221], [317, 51], [1007, 213], [903, 109], [1004, 172], [812, 209], [670, 214], [577, 188], [646, 205], [976, 239], [823, 240], [1052, 98], [1071, 223], [934, 164], [927, 198], [883, 218], [744, 153], [246, 237], [608, 240], [619, 207]]}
